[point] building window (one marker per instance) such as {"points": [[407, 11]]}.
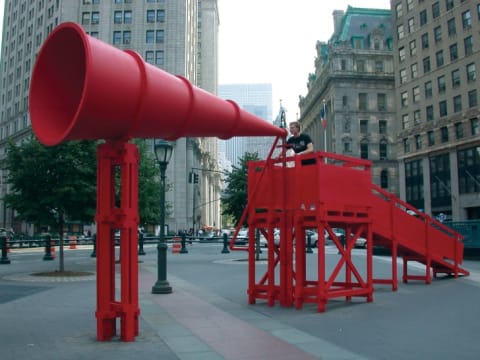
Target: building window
{"points": [[414, 70], [452, 30], [413, 48], [360, 65], [149, 38], [117, 17], [426, 65], [429, 113], [405, 122], [150, 16], [437, 33], [117, 37], [364, 149], [471, 72], [468, 44], [362, 101], [159, 57], [401, 54], [472, 98], [435, 10], [474, 126], [364, 126], [400, 32], [453, 52], [449, 4], [379, 66], [403, 76], [469, 170], [418, 142], [406, 145], [382, 102], [127, 37], [404, 97], [382, 127], [160, 16], [439, 57], [414, 183], [417, 119], [431, 138], [423, 17], [127, 17], [425, 41], [347, 149], [428, 90], [95, 17], [383, 150], [416, 94], [85, 18], [457, 103], [455, 78], [160, 36], [399, 10], [384, 179], [409, 5], [441, 84], [444, 134], [466, 19], [442, 105], [344, 100], [149, 58], [411, 25], [343, 65], [459, 130]]}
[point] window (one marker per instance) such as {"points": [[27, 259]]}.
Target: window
{"points": [[409, 5], [428, 90], [400, 32], [404, 97], [474, 126], [382, 127], [362, 101], [426, 65], [149, 57], [117, 37], [406, 145], [399, 10], [343, 64], [127, 37], [403, 76], [451, 27], [382, 102], [435, 10], [364, 126], [413, 48], [159, 57], [360, 65], [459, 130], [418, 142], [344, 100], [127, 17], [455, 78], [443, 108], [449, 4], [160, 36], [441, 84], [364, 149], [383, 149], [416, 94], [160, 16], [439, 58], [149, 39], [468, 45], [453, 52], [472, 98], [466, 19], [414, 70], [411, 25], [471, 72], [437, 34], [431, 138], [95, 17], [379, 66], [150, 16], [423, 17], [457, 103], [429, 113], [384, 179], [417, 117], [85, 18], [401, 54], [425, 41], [347, 148], [117, 17], [444, 134], [405, 122]]}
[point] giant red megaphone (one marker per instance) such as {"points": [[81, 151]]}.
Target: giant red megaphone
{"points": [[84, 89]]}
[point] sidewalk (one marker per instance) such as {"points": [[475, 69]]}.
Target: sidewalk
{"points": [[207, 315]]}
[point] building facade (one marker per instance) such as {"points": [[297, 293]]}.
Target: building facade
{"points": [[354, 81], [177, 36], [436, 55]]}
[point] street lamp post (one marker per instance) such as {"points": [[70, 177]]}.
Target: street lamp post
{"points": [[163, 153]]}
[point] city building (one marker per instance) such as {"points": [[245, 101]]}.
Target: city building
{"points": [[436, 47], [177, 36], [256, 99], [353, 89]]}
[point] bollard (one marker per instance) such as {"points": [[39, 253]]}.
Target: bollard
{"points": [[48, 249], [94, 240], [184, 250], [3, 243], [225, 244], [140, 244], [176, 245], [72, 241], [309, 244]]}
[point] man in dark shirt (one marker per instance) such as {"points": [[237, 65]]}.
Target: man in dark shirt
{"points": [[300, 143]]}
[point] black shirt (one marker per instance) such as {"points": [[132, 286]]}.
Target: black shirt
{"points": [[299, 144]]}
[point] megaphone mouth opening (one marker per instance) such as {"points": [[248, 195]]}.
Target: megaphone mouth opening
{"points": [[57, 85]]}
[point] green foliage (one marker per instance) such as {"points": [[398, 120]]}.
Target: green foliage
{"points": [[234, 199], [51, 184]]}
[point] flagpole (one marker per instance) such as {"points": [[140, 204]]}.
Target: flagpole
{"points": [[324, 125]]}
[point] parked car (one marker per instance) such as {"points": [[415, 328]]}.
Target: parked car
{"points": [[361, 242], [276, 236]]}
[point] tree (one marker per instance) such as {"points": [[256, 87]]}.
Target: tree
{"points": [[234, 199], [50, 185]]}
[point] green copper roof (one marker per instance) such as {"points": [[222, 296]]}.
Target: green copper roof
{"points": [[361, 22]]}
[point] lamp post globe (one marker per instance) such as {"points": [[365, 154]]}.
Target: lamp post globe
{"points": [[163, 152]]}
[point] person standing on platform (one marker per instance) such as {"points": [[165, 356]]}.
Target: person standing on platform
{"points": [[300, 143]]}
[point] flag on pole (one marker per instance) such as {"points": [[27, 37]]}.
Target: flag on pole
{"points": [[323, 115]]}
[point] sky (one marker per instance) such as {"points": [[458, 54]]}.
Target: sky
{"points": [[273, 41]]}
